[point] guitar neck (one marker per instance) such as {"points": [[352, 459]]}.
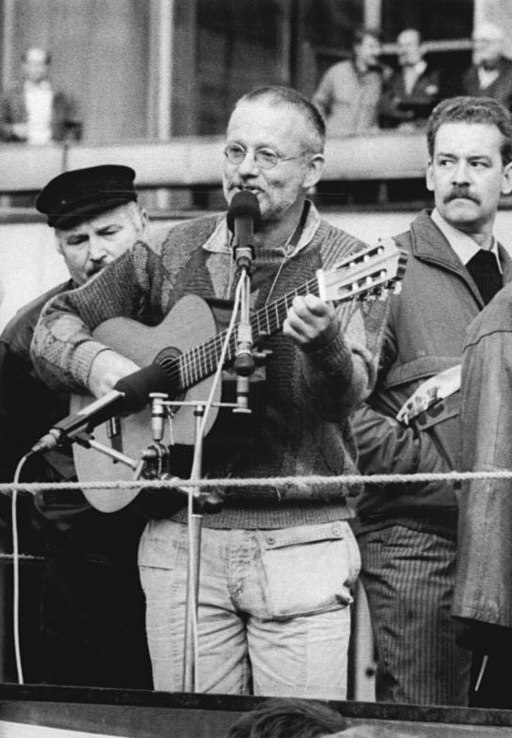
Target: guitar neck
{"points": [[270, 318], [366, 272], [200, 362]]}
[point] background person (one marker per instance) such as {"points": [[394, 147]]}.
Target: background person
{"points": [[92, 612], [260, 621], [33, 111], [491, 72], [288, 718], [412, 91], [408, 532], [349, 92]]}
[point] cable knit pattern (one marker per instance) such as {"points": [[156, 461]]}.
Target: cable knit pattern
{"points": [[301, 422]]}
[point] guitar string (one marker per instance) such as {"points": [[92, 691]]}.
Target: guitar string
{"points": [[217, 342], [185, 365]]}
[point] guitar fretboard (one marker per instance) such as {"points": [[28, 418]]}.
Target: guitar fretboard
{"points": [[360, 274], [189, 368]]}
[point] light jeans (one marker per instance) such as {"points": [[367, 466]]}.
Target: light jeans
{"points": [[274, 615]]}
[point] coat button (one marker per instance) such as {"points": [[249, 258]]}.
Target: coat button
{"points": [[271, 540], [336, 531]]}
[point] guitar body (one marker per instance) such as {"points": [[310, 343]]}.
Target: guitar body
{"points": [[187, 343], [189, 322]]}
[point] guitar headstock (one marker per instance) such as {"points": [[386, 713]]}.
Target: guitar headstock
{"points": [[366, 273]]}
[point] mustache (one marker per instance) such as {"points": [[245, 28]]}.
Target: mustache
{"points": [[242, 185], [461, 191]]}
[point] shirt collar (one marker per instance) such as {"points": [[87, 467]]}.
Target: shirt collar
{"points": [[220, 241], [418, 68], [464, 246]]}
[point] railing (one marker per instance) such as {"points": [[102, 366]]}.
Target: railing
{"points": [[186, 162]]}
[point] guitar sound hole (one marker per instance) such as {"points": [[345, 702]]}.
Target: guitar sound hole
{"points": [[167, 358]]}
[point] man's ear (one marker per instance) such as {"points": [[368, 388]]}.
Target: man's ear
{"points": [[144, 218], [506, 184], [429, 177], [58, 243], [315, 170]]}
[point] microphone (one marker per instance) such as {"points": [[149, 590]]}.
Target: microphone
{"points": [[244, 219], [129, 395]]}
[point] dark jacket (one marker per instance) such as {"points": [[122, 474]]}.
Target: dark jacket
{"points": [[483, 592], [500, 89], [65, 120], [61, 521], [27, 406], [397, 106], [424, 335]]}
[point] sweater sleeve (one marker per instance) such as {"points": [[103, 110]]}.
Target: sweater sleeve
{"points": [[342, 374], [63, 347], [339, 376]]}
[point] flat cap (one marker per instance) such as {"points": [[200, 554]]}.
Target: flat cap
{"points": [[75, 196]]}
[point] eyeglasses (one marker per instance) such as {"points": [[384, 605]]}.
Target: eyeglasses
{"points": [[264, 158]]}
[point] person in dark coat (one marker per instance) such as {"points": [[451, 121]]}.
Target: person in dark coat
{"points": [[91, 614], [491, 71], [408, 532], [411, 93], [483, 585], [33, 111]]}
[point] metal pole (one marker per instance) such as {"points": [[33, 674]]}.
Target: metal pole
{"points": [[195, 523]]}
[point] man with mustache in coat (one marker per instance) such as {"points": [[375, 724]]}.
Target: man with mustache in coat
{"points": [[410, 424]]}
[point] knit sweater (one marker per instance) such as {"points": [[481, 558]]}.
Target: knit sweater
{"points": [[302, 426]]}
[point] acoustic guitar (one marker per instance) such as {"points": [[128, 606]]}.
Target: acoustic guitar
{"points": [[187, 345]]}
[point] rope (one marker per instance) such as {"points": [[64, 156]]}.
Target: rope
{"points": [[275, 482]]}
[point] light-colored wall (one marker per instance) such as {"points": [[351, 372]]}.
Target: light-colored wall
{"points": [[99, 56], [30, 263]]}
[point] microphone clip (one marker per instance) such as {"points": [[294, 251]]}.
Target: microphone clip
{"points": [[244, 363], [244, 255], [155, 461]]}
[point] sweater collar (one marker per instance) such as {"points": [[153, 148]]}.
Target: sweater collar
{"points": [[220, 241]]}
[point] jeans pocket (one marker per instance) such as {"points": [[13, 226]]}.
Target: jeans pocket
{"points": [[308, 569], [161, 544]]}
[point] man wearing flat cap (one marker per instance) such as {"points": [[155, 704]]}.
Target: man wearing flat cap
{"points": [[91, 623]]}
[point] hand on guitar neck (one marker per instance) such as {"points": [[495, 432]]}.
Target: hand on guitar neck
{"points": [[310, 322], [107, 369]]}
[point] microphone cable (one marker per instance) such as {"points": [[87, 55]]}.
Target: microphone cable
{"points": [[195, 471], [16, 571], [222, 357]]}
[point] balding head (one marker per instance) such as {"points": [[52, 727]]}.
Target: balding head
{"points": [[410, 50], [36, 64], [487, 44]]}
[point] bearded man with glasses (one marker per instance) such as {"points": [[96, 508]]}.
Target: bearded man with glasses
{"points": [[277, 565]]}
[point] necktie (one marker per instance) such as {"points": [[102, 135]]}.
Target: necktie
{"points": [[484, 269]]}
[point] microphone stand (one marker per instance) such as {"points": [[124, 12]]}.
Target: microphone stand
{"points": [[198, 504], [244, 363]]}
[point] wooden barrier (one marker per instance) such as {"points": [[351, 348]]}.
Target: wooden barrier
{"points": [[138, 714]]}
